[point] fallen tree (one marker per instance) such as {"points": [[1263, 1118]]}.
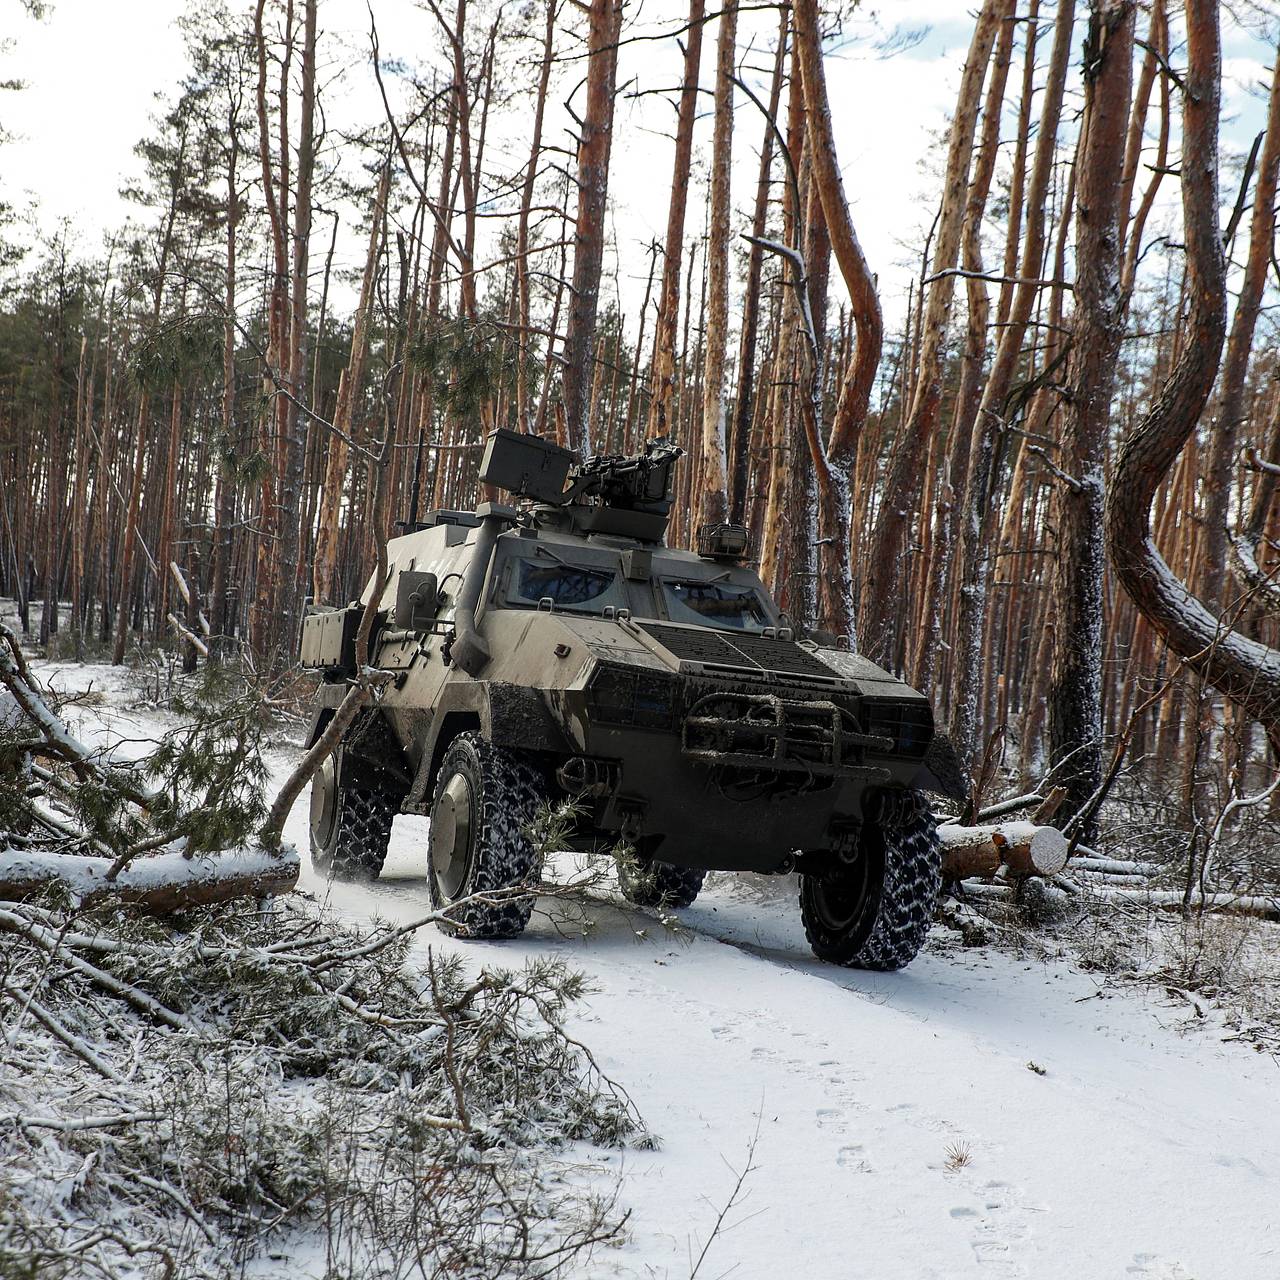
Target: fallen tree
{"points": [[176, 829], [159, 883]]}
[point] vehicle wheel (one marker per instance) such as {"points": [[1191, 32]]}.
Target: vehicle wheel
{"points": [[658, 884], [485, 799], [875, 912], [350, 820]]}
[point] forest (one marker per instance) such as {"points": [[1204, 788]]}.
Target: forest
{"points": [[1046, 498], [1037, 482]]}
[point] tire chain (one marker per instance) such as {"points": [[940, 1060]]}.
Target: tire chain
{"points": [[512, 791], [660, 884], [912, 881], [909, 895], [364, 821]]}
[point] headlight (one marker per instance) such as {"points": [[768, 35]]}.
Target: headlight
{"points": [[633, 695], [908, 724]]}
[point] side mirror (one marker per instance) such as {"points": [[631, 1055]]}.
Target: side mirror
{"points": [[417, 600]]}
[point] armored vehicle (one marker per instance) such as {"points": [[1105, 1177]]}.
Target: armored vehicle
{"points": [[555, 648]]}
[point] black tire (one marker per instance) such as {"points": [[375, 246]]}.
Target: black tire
{"points": [[875, 912], [485, 800], [351, 820], [658, 884]]}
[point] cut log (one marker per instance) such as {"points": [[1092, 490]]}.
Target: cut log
{"points": [[1227, 904], [1022, 848], [158, 883]]}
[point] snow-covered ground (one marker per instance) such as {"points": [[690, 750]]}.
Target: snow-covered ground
{"points": [[974, 1116]]}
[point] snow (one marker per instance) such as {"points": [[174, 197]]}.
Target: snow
{"points": [[978, 1115], [1148, 1147]]}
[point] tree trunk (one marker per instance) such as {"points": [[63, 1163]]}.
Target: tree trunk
{"points": [[740, 435], [350, 386], [713, 501], [1245, 670], [1235, 366], [835, 455], [662, 377], [996, 411], [294, 371], [886, 569], [968, 395], [226, 489], [524, 337], [1075, 689], [605, 22]]}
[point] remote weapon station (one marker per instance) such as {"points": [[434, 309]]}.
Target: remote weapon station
{"points": [[554, 648]]}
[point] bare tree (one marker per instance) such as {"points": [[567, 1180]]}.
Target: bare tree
{"points": [[1075, 690], [885, 573], [594, 143], [713, 496]]}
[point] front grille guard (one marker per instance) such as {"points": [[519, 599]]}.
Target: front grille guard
{"points": [[765, 731]]}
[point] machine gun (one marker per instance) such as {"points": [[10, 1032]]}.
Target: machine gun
{"points": [[626, 495]]}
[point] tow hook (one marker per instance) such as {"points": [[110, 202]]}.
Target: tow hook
{"points": [[582, 776]]}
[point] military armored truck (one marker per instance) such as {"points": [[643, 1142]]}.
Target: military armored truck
{"points": [[553, 647]]}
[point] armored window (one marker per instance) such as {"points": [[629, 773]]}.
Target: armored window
{"points": [[567, 586], [716, 604]]}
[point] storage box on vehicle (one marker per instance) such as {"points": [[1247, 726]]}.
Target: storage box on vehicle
{"points": [[528, 466], [329, 639]]}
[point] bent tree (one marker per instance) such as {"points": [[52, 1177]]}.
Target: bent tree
{"points": [[1245, 670]]}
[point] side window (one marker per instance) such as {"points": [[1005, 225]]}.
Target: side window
{"points": [[587, 589]]}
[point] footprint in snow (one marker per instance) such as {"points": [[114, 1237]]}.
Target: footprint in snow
{"points": [[831, 1118], [921, 1119], [1154, 1267], [853, 1157], [1000, 1229]]}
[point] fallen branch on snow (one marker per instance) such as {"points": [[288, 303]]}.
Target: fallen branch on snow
{"points": [[173, 831]]}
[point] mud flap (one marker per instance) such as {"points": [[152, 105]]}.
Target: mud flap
{"points": [[942, 772]]}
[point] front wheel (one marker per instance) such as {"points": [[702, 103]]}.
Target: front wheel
{"points": [[486, 799], [874, 912]]}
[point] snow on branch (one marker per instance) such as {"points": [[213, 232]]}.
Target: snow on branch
{"points": [[174, 830]]}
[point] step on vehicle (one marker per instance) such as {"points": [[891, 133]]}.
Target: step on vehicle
{"points": [[555, 648]]}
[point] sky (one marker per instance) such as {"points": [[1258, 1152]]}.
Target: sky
{"points": [[93, 69]]}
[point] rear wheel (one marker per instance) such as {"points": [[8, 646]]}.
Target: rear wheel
{"points": [[874, 911], [486, 798], [658, 884], [351, 818]]}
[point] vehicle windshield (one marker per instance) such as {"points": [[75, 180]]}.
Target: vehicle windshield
{"points": [[586, 589], [726, 605]]}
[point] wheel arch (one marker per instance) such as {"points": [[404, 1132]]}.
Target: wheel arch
{"points": [[448, 726], [505, 714], [387, 765]]}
